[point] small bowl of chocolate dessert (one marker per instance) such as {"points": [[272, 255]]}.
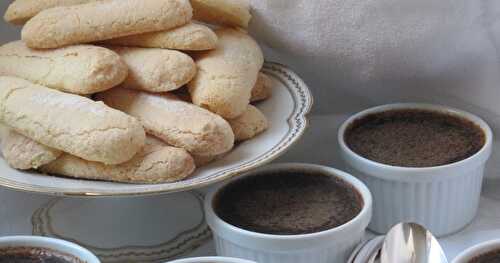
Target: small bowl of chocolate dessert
{"points": [[294, 213], [36, 249], [487, 252], [423, 163]]}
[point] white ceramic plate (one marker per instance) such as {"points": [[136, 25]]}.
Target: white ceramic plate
{"points": [[286, 111], [157, 228]]}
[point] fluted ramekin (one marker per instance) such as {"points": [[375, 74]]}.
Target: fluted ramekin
{"points": [[330, 246], [442, 198], [58, 245], [475, 251]]}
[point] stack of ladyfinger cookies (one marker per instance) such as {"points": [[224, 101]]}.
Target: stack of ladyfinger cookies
{"points": [[136, 91]]}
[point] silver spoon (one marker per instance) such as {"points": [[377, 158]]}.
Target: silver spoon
{"points": [[411, 243], [374, 257]]}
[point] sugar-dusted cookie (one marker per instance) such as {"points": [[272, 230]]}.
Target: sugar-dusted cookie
{"points": [[23, 153], [227, 74], [262, 89], [70, 123], [80, 69], [249, 124], [200, 160], [20, 11], [235, 13], [155, 163], [174, 121], [191, 36], [102, 20], [155, 69]]}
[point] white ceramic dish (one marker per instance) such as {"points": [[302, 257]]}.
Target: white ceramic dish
{"points": [[442, 198], [50, 243], [330, 246], [158, 228], [477, 250], [211, 260], [286, 111]]}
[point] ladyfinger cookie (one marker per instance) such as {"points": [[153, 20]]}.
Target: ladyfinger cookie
{"points": [[201, 160], [154, 69], [176, 122], [70, 123], [21, 11], [262, 89], [227, 75], [23, 153], [101, 20], [80, 69], [249, 124], [234, 13], [155, 163], [191, 36]]}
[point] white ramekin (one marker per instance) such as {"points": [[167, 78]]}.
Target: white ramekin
{"points": [[477, 250], [50, 243], [442, 198], [330, 246], [212, 260]]}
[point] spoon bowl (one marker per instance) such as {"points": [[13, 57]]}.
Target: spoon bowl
{"points": [[411, 243]]}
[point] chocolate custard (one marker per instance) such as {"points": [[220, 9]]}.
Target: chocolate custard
{"points": [[414, 138], [490, 257], [35, 255], [295, 202]]}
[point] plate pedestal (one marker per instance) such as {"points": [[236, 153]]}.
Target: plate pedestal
{"points": [[140, 229]]}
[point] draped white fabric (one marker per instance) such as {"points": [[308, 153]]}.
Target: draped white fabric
{"points": [[378, 51], [355, 54]]}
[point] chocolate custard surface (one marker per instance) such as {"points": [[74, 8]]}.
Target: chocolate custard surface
{"points": [[414, 138], [288, 203], [490, 257], [35, 255]]}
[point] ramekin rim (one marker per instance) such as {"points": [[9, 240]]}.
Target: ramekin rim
{"points": [[353, 181], [476, 250], [88, 256], [423, 106]]}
